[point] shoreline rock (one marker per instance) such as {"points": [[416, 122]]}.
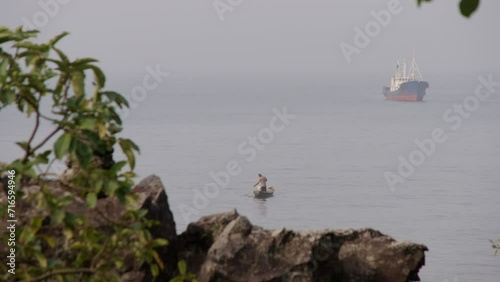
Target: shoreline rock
{"points": [[227, 247]]}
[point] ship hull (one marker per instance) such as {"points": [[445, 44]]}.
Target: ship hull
{"points": [[407, 91]]}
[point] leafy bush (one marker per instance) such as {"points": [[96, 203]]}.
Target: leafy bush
{"points": [[85, 127], [495, 245], [184, 275]]}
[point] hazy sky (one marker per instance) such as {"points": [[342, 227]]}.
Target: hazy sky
{"points": [[266, 38]]}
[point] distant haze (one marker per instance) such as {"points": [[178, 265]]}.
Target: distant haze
{"points": [[266, 38]]}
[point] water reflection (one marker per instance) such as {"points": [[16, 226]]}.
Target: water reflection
{"points": [[261, 206]]}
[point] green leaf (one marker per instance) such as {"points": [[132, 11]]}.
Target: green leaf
{"points": [[63, 78], [87, 123], [4, 64], [26, 236], [23, 145], [98, 184], [142, 213], [160, 242], [76, 245], [74, 103], [82, 257], [84, 153], [127, 147], [68, 233], [114, 116], [154, 270], [83, 61], [31, 46], [29, 172], [65, 201], [41, 158], [101, 129], [7, 97], [48, 239], [92, 199], [20, 105], [419, 2], [99, 76], [5, 35], [467, 7], [131, 144], [64, 59], [71, 220], [95, 140], [61, 146], [111, 187], [56, 38], [118, 264], [77, 80], [116, 97], [157, 259], [58, 216], [41, 259], [118, 166], [182, 267], [121, 196], [36, 223]]}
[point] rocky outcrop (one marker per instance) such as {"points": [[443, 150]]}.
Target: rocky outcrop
{"points": [[153, 198], [227, 247]]}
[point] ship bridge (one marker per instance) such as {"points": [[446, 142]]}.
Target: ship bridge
{"points": [[401, 76]]}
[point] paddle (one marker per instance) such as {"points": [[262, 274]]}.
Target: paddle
{"points": [[253, 190]]}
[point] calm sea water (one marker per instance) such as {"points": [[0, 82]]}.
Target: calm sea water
{"points": [[328, 163]]}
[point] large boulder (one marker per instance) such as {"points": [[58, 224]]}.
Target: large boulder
{"points": [[226, 247], [154, 199]]}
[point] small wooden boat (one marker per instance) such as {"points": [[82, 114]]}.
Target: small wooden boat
{"points": [[264, 194]]}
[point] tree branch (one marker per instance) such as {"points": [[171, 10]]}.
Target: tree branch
{"points": [[33, 133], [48, 167], [46, 139], [103, 248], [37, 125], [65, 94], [34, 106]]}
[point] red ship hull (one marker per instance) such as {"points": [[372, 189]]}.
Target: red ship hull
{"points": [[403, 98]]}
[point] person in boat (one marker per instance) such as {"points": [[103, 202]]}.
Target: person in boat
{"points": [[263, 183]]}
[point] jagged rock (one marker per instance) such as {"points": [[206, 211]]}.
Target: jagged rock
{"points": [[154, 199], [226, 247]]}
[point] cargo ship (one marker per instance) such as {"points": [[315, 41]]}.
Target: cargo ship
{"points": [[406, 86]]}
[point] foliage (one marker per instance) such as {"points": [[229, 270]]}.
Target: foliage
{"points": [[467, 7], [184, 275], [85, 132], [495, 245]]}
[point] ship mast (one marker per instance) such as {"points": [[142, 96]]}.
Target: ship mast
{"points": [[414, 67], [404, 68]]}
